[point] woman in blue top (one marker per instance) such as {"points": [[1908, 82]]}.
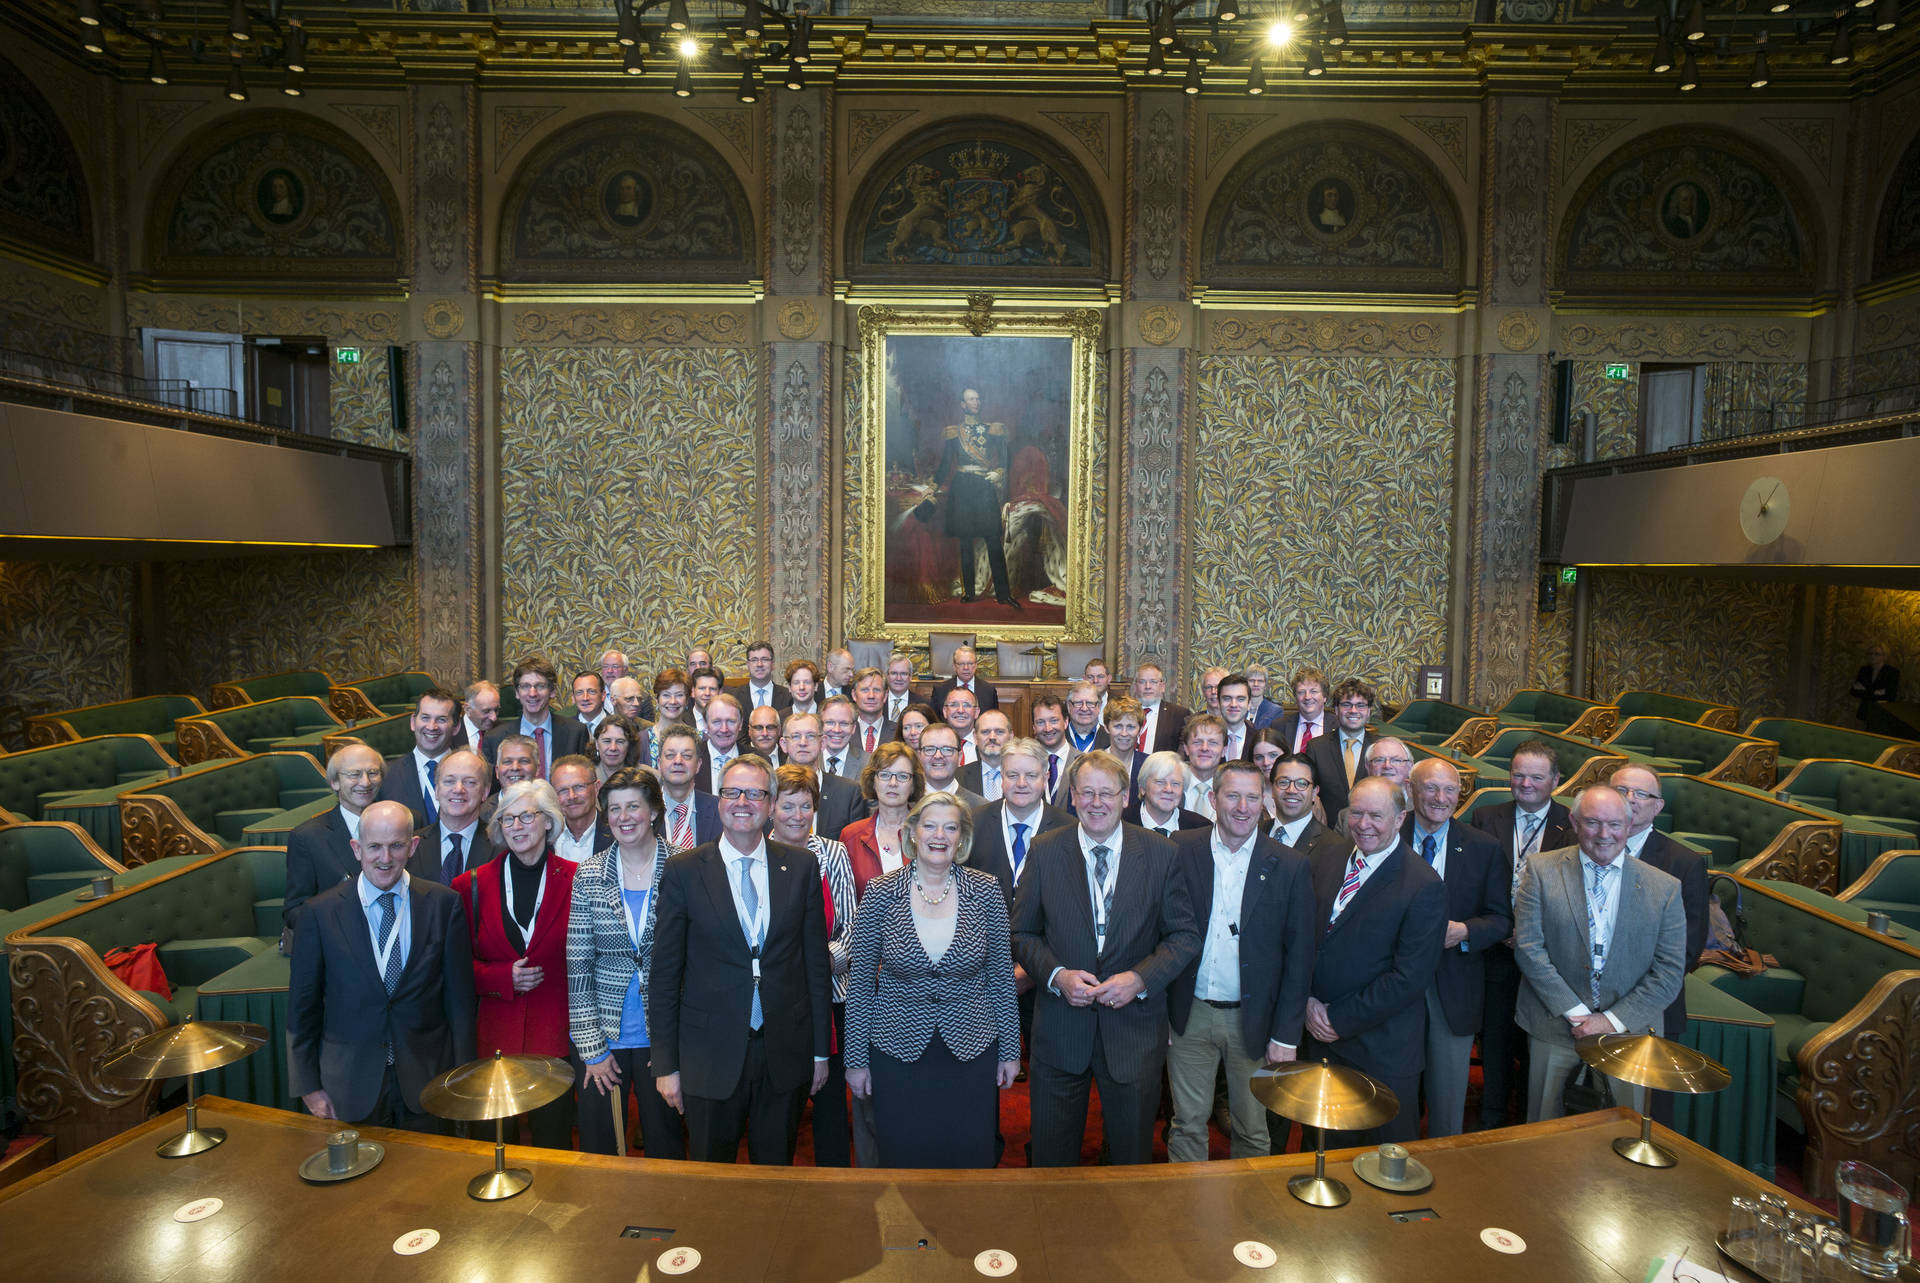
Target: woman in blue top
{"points": [[609, 958]]}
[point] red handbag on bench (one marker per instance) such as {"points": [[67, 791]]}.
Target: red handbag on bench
{"points": [[139, 966]]}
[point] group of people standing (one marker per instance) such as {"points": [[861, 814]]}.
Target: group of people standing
{"points": [[783, 892]]}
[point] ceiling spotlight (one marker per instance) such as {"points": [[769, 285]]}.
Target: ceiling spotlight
{"points": [[750, 25], [1192, 84], [1156, 60], [296, 48], [1760, 76], [1662, 60], [157, 67], [677, 15], [1689, 74], [92, 41], [239, 25], [1279, 33], [688, 47], [1840, 52], [1696, 25], [1163, 24], [1780, 6], [291, 85], [1886, 15], [632, 62], [683, 83], [1862, 4], [236, 83], [1316, 65], [626, 26], [88, 11], [1256, 79], [1228, 11], [1302, 12], [796, 78], [802, 34], [749, 90], [1336, 25]]}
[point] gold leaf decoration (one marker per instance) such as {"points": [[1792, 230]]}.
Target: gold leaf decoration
{"points": [[1160, 325], [797, 318], [443, 318], [1518, 331], [672, 326], [1279, 335]]}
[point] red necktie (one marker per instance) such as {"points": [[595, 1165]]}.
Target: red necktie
{"points": [[540, 753], [869, 741], [1306, 735]]}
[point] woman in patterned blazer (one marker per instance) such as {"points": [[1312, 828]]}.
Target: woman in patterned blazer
{"points": [[609, 959], [932, 1025]]}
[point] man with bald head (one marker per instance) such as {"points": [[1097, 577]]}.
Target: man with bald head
{"points": [[628, 700], [1383, 915], [362, 1042], [483, 711], [458, 840], [614, 669], [1601, 941], [763, 733], [320, 850]]}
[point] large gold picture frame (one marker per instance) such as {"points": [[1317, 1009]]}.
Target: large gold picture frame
{"points": [[1080, 329]]}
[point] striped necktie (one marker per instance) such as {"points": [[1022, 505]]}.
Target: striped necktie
{"points": [[1348, 887]]}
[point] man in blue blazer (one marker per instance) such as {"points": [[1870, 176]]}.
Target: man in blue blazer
{"points": [[1383, 915], [1479, 915], [320, 850], [412, 775], [1243, 1000], [381, 995]]}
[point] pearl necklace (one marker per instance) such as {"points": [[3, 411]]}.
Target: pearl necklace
{"points": [[921, 891]]}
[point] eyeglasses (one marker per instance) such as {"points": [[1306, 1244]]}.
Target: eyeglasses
{"points": [[360, 777], [532, 688], [937, 750], [1354, 704], [895, 777], [1637, 795], [1292, 786], [1083, 703], [752, 795], [1389, 761], [1103, 796], [520, 819]]}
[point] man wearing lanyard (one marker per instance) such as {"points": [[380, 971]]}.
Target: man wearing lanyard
{"points": [[741, 978], [1104, 949]]}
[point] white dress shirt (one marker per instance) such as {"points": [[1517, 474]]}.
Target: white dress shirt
{"points": [[1059, 772], [403, 918], [717, 761], [1218, 978], [466, 837], [1439, 835], [1602, 926], [527, 729], [990, 787], [420, 761], [1288, 832], [352, 822], [1150, 722], [1236, 742], [1032, 820], [759, 696], [1317, 726], [1373, 866], [1199, 797], [897, 704], [754, 928], [576, 849], [969, 752], [1096, 889]]}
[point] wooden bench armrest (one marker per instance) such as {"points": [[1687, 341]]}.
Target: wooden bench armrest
{"points": [[1755, 764], [1474, 734], [351, 704], [1597, 769], [1597, 723], [1806, 852], [202, 741], [152, 826], [1900, 757], [1860, 1085]]}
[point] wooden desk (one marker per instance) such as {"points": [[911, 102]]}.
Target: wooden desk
{"points": [[1017, 695], [1585, 1214]]}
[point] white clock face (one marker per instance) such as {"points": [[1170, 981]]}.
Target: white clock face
{"points": [[1764, 509]]}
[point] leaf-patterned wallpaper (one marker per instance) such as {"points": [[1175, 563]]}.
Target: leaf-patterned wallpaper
{"points": [[632, 508], [350, 614], [64, 638], [361, 401], [1717, 639], [1859, 616], [1321, 495]]}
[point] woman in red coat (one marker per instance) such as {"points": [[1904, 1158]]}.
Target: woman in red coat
{"points": [[892, 782], [518, 907]]}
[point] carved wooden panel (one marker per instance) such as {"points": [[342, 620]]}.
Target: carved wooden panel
{"points": [[153, 826], [71, 1015], [1597, 723], [350, 704], [1597, 769], [202, 741], [42, 731], [1755, 763], [1860, 1087]]}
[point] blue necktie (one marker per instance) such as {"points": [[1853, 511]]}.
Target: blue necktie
{"points": [[450, 867], [1596, 909], [391, 976], [1427, 850], [1019, 847], [751, 899], [433, 782]]}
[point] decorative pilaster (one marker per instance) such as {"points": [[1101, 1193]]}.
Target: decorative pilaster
{"points": [[1505, 443], [1154, 377], [448, 442], [799, 213]]}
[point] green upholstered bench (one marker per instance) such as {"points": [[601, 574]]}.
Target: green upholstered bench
{"points": [[1553, 711], [273, 830], [1737, 1122], [1471, 772], [1842, 1000], [1745, 831], [1723, 717], [150, 715], [253, 728], [98, 810], [43, 859], [1581, 761], [1688, 748], [32, 781], [378, 696], [1879, 807], [387, 736], [1890, 885], [1452, 728], [251, 690], [1799, 740], [210, 810], [71, 1015]]}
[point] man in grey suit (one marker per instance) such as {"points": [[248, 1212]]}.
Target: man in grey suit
{"points": [[1103, 923], [1601, 943]]}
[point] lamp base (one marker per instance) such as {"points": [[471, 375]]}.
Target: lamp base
{"points": [[1319, 1191], [194, 1140], [1637, 1149], [492, 1186]]}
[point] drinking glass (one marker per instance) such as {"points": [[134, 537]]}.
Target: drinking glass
{"points": [[1873, 1214]]}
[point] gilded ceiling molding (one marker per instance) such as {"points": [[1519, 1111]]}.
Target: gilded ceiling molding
{"points": [[1630, 339], [511, 125], [239, 316], [632, 326], [1093, 130], [1323, 333], [382, 123], [1449, 134], [864, 128]]}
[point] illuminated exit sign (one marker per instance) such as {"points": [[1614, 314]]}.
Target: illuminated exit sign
{"points": [[351, 356], [1618, 370], [1569, 575]]}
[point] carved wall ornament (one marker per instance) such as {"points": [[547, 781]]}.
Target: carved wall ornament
{"points": [[1159, 324], [1522, 193], [864, 128], [626, 197], [1323, 333], [1151, 570], [448, 567], [1583, 134], [1160, 204], [977, 198], [1859, 1093], [1675, 339], [797, 500], [1328, 203], [591, 326], [797, 318], [1518, 331], [1688, 207], [70, 1019], [1449, 134], [156, 121], [1896, 241], [43, 185], [242, 316], [1812, 135], [1506, 504], [380, 120], [1226, 129], [50, 299], [439, 213], [511, 125], [1092, 129], [735, 124], [799, 179], [443, 318]]}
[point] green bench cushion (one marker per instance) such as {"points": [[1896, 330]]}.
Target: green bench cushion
{"points": [[1722, 848], [1775, 991], [197, 961], [232, 825], [1904, 824], [1904, 912], [1791, 1031], [45, 886]]}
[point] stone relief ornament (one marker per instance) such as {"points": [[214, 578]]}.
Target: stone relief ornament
{"points": [[797, 318], [1160, 324], [1518, 331], [443, 318]]}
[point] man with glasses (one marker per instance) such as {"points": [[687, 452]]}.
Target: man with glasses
{"points": [[627, 700], [534, 681], [1162, 722], [1084, 731], [585, 833], [841, 801], [840, 754], [899, 686], [320, 850], [1103, 948], [1210, 690], [763, 734], [960, 712], [990, 735], [1294, 793], [690, 817], [940, 759], [1340, 759], [740, 999]]}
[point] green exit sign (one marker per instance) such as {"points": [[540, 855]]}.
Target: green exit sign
{"points": [[351, 356], [1619, 370], [1569, 575]]}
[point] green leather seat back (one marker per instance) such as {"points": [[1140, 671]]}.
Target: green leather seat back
{"points": [[25, 778], [150, 715]]}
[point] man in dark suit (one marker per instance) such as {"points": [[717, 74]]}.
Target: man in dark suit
{"points": [[1531, 823], [534, 681], [586, 832], [381, 994], [966, 667], [1294, 792], [692, 818], [320, 850], [589, 697], [838, 753], [871, 728], [1235, 694], [991, 731], [841, 801], [725, 723], [1242, 1002], [614, 668], [1103, 924], [763, 734], [458, 840], [1877, 682], [1308, 720], [760, 690], [1641, 788], [1004, 831], [1479, 915], [1341, 758], [1383, 914], [1082, 707], [410, 776], [482, 713], [1266, 710], [740, 1000], [1163, 721], [1162, 787]]}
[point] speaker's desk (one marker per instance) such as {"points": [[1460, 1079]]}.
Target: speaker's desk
{"points": [[1584, 1214]]}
